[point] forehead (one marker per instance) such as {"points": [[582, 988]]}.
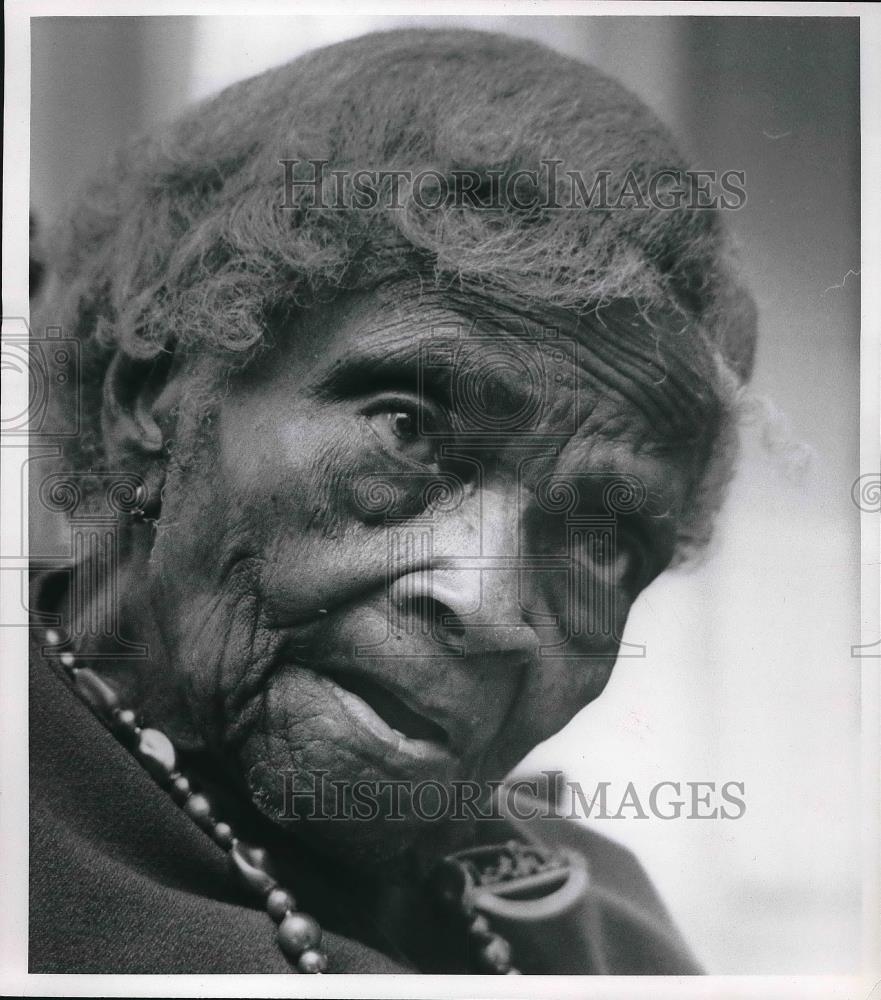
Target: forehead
{"points": [[511, 373], [493, 377]]}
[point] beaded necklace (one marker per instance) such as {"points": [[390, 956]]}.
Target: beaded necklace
{"points": [[298, 934]]}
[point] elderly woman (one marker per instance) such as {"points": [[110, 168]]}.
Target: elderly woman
{"points": [[410, 381]]}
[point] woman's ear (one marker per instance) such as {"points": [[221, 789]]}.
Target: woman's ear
{"points": [[136, 419]]}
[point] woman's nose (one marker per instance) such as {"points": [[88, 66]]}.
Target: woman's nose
{"points": [[470, 593], [478, 609]]}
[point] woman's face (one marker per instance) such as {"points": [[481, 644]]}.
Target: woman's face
{"points": [[393, 560]]}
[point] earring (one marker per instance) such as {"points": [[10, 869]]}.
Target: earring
{"points": [[146, 503], [140, 499]]}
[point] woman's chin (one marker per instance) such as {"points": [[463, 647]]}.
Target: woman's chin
{"points": [[400, 847]]}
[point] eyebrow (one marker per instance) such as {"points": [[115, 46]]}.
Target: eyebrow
{"points": [[365, 366], [413, 365]]}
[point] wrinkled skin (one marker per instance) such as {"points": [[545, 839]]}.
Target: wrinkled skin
{"points": [[271, 562]]}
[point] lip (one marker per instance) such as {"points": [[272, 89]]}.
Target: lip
{"points": [[396, 709], [393, 747]]}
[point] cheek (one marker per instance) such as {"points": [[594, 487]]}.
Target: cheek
{"points": [[205, 590], [567, 685], [296, 476], [575, 670], [570, 671], [554, 693], [256, 536]]}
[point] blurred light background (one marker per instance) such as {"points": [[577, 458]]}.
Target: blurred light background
{"points": [[748, 674]]}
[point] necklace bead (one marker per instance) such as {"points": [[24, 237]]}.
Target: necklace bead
{"points": [[156, 752], [312, 961], [94, 690], [124, 725], [180, 788], [495, 955], [252, 870], [223, 835], [279, 904], [479, 928], [197, 807], [298, 932]]}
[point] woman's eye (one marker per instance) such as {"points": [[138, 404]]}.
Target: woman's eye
{"points": [[613, 562], [406, 430]]}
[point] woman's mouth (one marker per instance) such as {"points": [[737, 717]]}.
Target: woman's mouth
{"points": [[397, 716], [362, 716]]}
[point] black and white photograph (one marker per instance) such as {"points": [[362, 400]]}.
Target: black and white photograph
{"points": [[441, 500]]}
